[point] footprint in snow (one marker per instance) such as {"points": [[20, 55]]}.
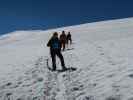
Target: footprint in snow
{"points": [[89, 97], [114, 98], [9, 84], [131, 98]]}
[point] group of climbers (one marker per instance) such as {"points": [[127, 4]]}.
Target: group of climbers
{"points": [[57, 44], [65, 39]]}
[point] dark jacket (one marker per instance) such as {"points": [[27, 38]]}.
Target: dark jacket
{"points": [[63, 37], [68, 36], [54, 43]]}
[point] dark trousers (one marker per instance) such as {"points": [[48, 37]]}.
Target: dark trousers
{"points": [[69, 40], [55, 53], [63, 44]]}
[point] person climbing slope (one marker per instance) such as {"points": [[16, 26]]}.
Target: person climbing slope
{"points": [[55, 50], [69, 39], [63, 40]]}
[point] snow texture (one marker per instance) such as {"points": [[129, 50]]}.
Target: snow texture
{"points": [[102, 54]]}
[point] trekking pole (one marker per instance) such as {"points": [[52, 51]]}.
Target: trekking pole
{"points": [[47, 62]]}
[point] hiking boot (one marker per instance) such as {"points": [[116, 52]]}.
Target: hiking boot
{"points": [[54, 69], [64, 68]]}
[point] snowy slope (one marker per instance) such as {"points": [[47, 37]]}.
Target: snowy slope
{"points": [[102, 54]]}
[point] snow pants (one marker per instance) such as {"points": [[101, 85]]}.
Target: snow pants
{"points": [[55, 53], [63, 44], [69, 39]]}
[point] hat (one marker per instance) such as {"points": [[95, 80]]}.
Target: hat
{"points": [[55, 34]]}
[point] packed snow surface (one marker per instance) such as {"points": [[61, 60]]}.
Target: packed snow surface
{"points": [[102, 52]]}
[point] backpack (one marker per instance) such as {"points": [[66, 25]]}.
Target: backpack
{"points": [[55, 44]]}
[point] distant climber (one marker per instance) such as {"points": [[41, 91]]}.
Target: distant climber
{"points": [[69, 38], [55, 50], [63, 40]]}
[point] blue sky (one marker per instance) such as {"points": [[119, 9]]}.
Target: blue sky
{"points": [[46, 14]]}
